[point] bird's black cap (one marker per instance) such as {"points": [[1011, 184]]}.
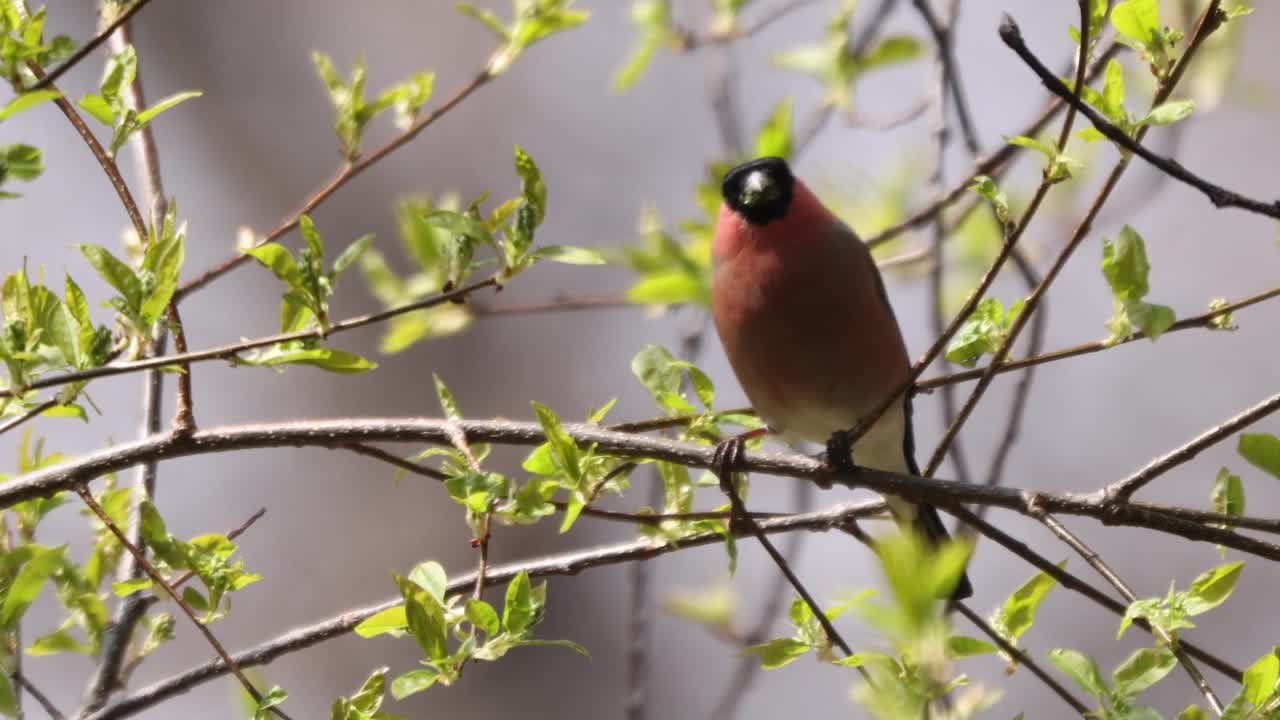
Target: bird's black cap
{"points": [[760, 191]]}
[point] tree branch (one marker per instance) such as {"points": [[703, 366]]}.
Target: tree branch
{"points": [[89, 47]]}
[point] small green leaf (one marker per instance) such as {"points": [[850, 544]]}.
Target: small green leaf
{"points": [[1260, 679], [565, 452], [1194, 712], [271, 698], [352, 253], [961, 646], [28, 582], [276, 258], [483, 616], [125, 588], [1212, 588], [1019, 611], [774, 138], [26, 101], [1169, 113], [777, 652], [430, 576], [570, 255], [392, 620], [518, 612], [98, 108], [1262, 450], [1081, 668], [414, 681], [1141, 670], [117, 274], [150, 113], [1228, 494]]}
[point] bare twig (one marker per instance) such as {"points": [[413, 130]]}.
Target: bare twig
{"points": [[1121, 491], [1096, 562], [345, 174], [1023, 659], [1220, 197], [155, 576], [45, 703], [943, 37]]}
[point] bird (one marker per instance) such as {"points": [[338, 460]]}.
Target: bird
{"points": [[807, 327]]}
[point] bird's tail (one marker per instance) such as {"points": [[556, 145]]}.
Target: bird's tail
{"points": [[930, 525]]}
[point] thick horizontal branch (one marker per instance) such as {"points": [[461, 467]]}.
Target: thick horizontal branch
{"points": [[564, 564], [1218, 195], [340, 433], [230, 351]]}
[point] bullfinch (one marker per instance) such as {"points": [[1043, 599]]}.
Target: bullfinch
{"points": [[806, 324]]}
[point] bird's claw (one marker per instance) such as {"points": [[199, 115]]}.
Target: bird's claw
{"points": [[726, 459], [840, 454]]}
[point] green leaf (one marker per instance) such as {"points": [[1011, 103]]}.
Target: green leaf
{"points": [[333, 360], [1194, 712], [1169, 113], [1141, 670], [26, 101], [117, 274], [774, 138], [1125, 265], [1212, 588], [307, 228], [414, 681], [23, 162], [565, 452], [986, 187], [961, 646], [447, 403], [430, 576], [1262, 450], [276, 258], [149, 114], [1228, 494], [28, 582], [271, 698], [518, 610], [777, 652], [483, 616], [668, 288], [99, 108], [126, 588], [425, 618], [392, 620], [1081, 668], [487, 18], [352, 253], [1137, 20], [569, 255], [1260, 678]]}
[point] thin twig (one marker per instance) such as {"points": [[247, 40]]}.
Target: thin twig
{"points": [[570, 563], [1023, 658], [230, 351], [1097, 563], [1082, 230], [348, 171], [44, 701], [27, 415], [342, 432], [79, 55], [1074, 583], [1121, 491], [158, 579], [943, 37], [1220, 197]]}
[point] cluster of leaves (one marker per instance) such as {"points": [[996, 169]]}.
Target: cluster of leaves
{"points": [[983, 332], [902, 683], [531, 21], [21, 42], [675, 271], [306, 301], [110, 106], [444, 241], [834, 62], [450, 631], [1110, 102], [352, 111], [208, 557], [1125, 265], [42, 333], [430, 247]]}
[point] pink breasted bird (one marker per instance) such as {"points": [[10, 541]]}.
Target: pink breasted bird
{"points": [[803, 315]]}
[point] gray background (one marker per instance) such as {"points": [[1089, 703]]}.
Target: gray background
{"points": [[260, 140]]}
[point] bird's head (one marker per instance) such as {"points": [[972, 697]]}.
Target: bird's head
{"points": [[759, 191]]}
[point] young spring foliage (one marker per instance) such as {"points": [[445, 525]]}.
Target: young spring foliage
{"points": [[452, 631], [22, 41], [1125, 265], [1110, 102], [306, 301], [111, 107], [531, 21], [834, 63], [983, 332], [352, 111]]}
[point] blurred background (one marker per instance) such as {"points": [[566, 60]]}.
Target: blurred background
{"points": [[260, 140]]}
